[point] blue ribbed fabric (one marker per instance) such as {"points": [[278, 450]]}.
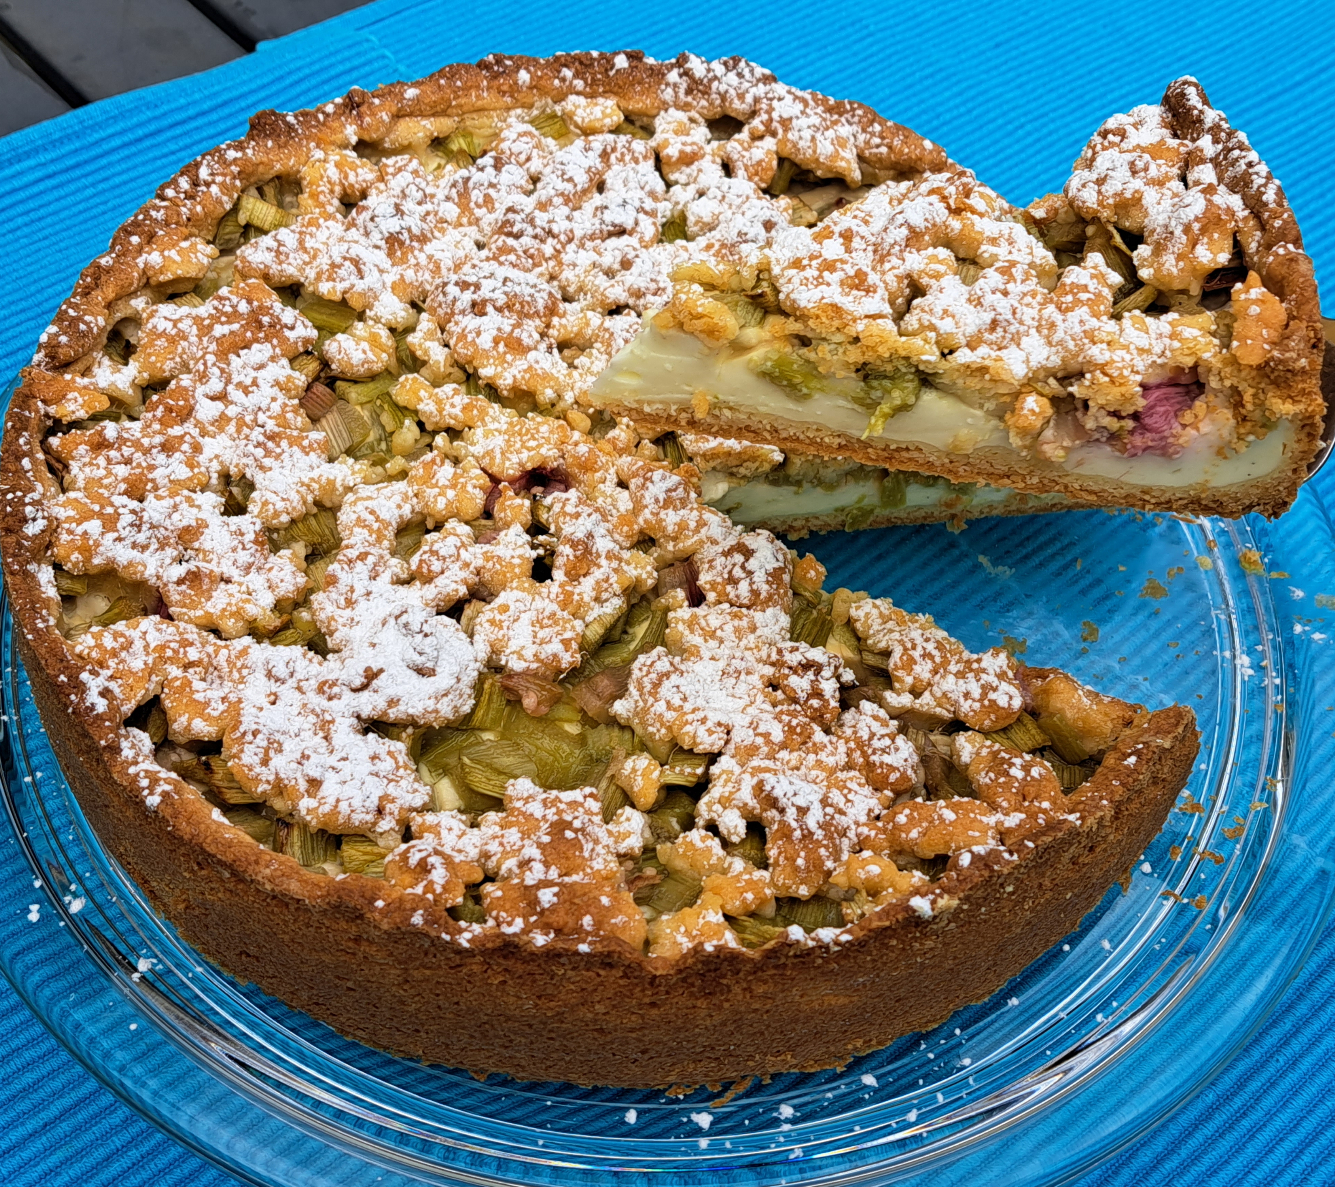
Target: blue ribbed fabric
{"points": [[1012, 90]]}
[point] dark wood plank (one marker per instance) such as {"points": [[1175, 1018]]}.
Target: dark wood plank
{"points": [[262, 19], [24, 98], [103, 48]]}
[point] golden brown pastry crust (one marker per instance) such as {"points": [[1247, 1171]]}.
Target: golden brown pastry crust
{"points": [[951, 511], [381, 973]]}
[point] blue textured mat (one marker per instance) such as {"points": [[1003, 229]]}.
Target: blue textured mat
{"points": [[1011, 90]]}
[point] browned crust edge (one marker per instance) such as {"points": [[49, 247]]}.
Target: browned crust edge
{"points": [[1295, 365], [1284, 268], [370, 960], [324, 947]]}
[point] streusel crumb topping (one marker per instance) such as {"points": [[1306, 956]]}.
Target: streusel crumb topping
{"points": [[593, 710], [328, 529]]}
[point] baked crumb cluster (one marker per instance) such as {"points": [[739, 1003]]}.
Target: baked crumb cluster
{"points": [[333, 536]]}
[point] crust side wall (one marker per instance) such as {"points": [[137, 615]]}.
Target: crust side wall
{"points": [[561, 1015]]}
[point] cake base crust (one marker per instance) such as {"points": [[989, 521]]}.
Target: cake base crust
{"points": [[795, 527], [554, 1013], [1271, 496]]}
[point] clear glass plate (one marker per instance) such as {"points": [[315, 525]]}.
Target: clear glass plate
{"points": [[1093, 1044]]}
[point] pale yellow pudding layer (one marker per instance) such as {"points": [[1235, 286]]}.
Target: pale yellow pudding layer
{"points": [[670, 369], [771, 503]]}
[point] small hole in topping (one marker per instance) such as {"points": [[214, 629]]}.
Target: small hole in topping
{"points": [[473, 386], [942, 778], [671, 449], [932, 867], [236, 495], [1234, 272], [219, 275], [545, 480], [537, 696], [493, 496], [674, 230], [285, 192], [1130, 239], [392, 730], [674, 816], [103, 599], [152, 719], [598, 693], [70, 585], [361, 855], [683, 576], [113, 415], [551, 124], [751, 847], [642, 875], [312, 848], [408, 540], [802, 180], [296, 630], [119, 345], [470, 910], [260, 210], [634, 126], [230, 233], [725, 127], [783, 176], [808, 914], [318, 531], [54, 464]]}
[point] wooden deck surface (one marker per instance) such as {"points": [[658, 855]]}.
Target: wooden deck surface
{"points": [[59, 54]]}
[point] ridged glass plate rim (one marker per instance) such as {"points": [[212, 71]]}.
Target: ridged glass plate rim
{"points": [[274, 1082], [246, 1070]]}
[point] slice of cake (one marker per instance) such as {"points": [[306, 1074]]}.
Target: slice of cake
{"points": [[447, 710], [1150, 337]]}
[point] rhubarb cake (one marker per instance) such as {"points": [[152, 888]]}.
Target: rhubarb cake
{"points": [[439, 703]]}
